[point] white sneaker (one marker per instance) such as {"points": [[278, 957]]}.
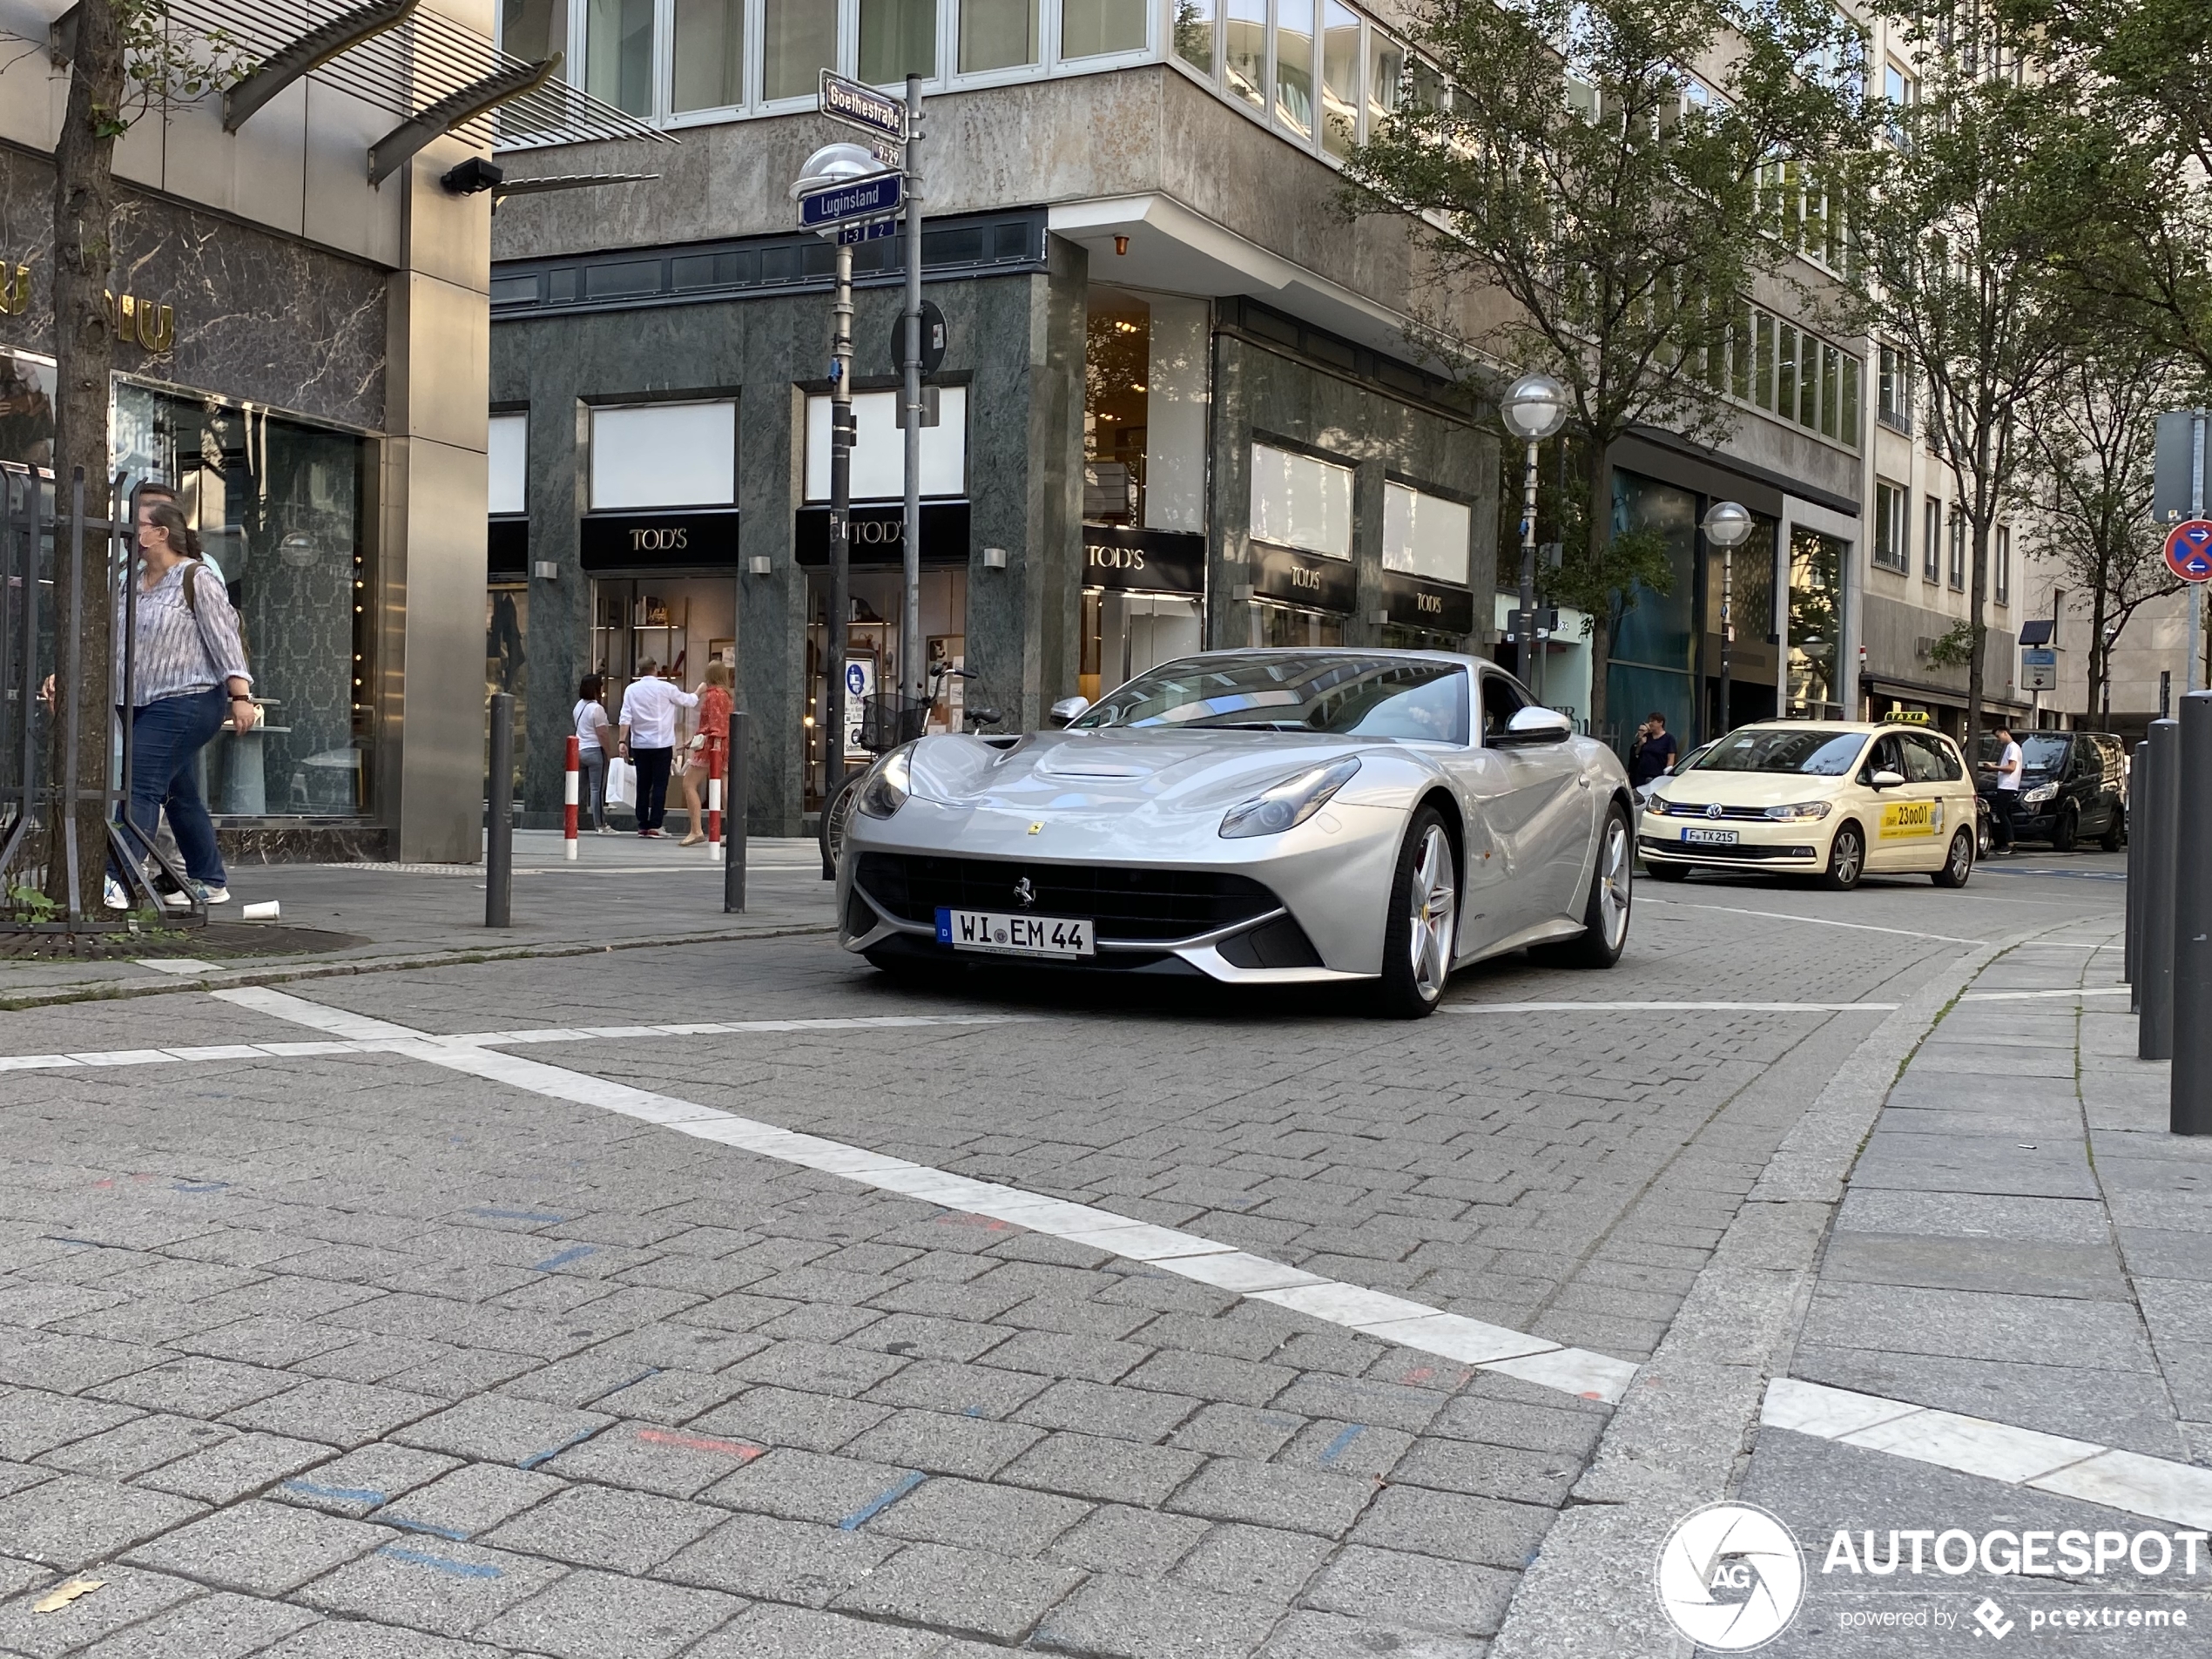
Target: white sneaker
{"points": [[113, 892], [207, 895]]}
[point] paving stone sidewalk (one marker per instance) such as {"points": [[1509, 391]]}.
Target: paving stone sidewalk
{"points": [[2023, 1242]]}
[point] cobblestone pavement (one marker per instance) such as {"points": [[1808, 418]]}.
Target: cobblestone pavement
{"points": [[322, 1352]]}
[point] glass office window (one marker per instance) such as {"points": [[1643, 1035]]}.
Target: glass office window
{"points": [[618, 53], [534, 28], [1932, 542], [1847, 419], [1890, 524], [1294, 64], [2003, 565], [665, 455], [1739, 352], [1300, 502], [1244, 51], [1424, 534], [799, 40], [709, 54], [997, 34], [508, 459], [1090, 27], [1194, 31], [880, 448], [1340, 78], [1763, 355], [1385, 77], [1958, 550], [1785, 371], [898, 38], [1831, 380]]}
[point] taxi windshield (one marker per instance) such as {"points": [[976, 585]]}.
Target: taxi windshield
{"points": [[1805, 750]]}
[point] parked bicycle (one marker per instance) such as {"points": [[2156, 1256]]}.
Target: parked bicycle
{"points": [[886, 721]]}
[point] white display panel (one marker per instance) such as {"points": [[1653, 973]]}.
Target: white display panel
{"points": [[1299, 501], [665, 455], [880, 448], [1424, 535], [508, 454]]}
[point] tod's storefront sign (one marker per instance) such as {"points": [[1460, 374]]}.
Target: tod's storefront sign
{"points": [[1311, 580], [1145, 561], [638, 541]]}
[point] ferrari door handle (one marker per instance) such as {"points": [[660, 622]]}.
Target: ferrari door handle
{"points": [[1584, 780]]}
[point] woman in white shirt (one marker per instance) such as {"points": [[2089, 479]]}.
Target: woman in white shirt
{"points": [[594, 739]]}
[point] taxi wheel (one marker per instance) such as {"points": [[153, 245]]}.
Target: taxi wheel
{"points": [[1847, 859], [1960, 863]]}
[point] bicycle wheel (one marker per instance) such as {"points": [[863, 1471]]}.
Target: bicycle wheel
{"points": [[837, 811]]}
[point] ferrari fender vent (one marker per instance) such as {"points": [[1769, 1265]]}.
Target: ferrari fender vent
{"points": [[1280, 943], [1127, 902]]}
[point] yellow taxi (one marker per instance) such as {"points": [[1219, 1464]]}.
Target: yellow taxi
{"points": [[1832, 799]]}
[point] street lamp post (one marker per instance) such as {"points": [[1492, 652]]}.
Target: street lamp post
{"points": [[1727, 526], [828, 165], [1534, 407]]}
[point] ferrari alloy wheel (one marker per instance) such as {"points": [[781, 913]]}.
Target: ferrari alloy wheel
{"points": [[1421, 934], [1960, 863], [1605, 914], [1847, 859]]}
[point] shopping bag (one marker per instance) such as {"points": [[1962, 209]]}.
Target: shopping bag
{"points": [[622, 783]]}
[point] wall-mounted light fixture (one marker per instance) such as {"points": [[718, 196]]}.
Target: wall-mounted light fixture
{"points": [[545, 569], [995, 558], [1121, 245], [759, 564]]}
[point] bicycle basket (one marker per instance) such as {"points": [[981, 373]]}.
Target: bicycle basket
{"points": [[891, 718]]}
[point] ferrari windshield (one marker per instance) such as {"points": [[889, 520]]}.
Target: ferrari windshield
{"points": [[1406, 697], [1807, 751]]}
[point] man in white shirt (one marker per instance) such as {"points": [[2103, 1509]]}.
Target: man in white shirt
{"points": [[2005, 816], [648, 738]]}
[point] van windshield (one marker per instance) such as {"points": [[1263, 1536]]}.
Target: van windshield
{"points": [[1808, 750]]}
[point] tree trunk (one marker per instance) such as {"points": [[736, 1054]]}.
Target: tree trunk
{"points": [[84, 351], [2100, 653], [1598, 478], [1978, 590]]}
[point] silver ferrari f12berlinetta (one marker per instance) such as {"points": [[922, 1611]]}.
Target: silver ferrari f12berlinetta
{"points": [[1255, 817]]}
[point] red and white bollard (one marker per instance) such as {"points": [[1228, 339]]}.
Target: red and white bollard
{"points": [[713, 804], [574, 762]]}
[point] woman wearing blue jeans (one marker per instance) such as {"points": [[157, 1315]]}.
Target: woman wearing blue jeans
{"points": [[189, 678]]}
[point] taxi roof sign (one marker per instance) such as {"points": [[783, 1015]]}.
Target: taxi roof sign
{"points": [[1909, 717]]}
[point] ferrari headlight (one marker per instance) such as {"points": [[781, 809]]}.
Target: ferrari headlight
{"points": [[1799, 810], [887, 786], [1290, 803], [2037, 797]]}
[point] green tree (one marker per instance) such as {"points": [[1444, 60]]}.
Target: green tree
{"points": [[1959, 218], [1560, 156]]}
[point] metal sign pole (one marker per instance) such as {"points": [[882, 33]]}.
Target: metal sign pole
{"points": [[2189, 1093], [840, 525], [499, 829], [910, 664], [2196, 589], [736, 804], [2154, 960]]}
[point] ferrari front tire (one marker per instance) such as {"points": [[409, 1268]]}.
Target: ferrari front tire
{"points": [[1605, 913], [1421, 931]]}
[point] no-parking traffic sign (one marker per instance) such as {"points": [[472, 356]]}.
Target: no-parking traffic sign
{"points": [[2188, 550]]}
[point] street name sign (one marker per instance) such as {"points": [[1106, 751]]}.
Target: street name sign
{"points": [[875, 195], [868, 231], [2188, 550], [862, 106]]}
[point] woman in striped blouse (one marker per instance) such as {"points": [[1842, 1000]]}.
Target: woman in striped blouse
{"points": [[189, 678]]}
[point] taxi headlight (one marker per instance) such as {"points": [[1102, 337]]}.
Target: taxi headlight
{"points": [[2037, 797], [887, 789], [1803, 809]]}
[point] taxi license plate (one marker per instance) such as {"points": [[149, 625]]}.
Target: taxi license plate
{"points": [[1016, 935], [1710, 836]]}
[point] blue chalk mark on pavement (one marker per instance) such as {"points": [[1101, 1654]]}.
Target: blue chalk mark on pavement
{"points": [[1335, 1448], [552, 1452], [339, 1495], [881, 1501], [454, 1532], [576, 1253], [517, 1215], [439, 1563], [198, 1186]]}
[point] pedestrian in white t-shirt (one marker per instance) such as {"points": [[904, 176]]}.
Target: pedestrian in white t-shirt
{"points": [[649, 737], [2007, 804], [594, 738]]}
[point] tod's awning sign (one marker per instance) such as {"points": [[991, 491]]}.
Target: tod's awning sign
{"points": [[1143, 561], [636, 541], [1437, 606], [1310, 579]]}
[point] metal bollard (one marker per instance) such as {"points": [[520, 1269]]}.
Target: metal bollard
{"points": [[571, 787], [2131, 942], [733, 816], [499, 841], [2154, 1033], [2190, 1095]]}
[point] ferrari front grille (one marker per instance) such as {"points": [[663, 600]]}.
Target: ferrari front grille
{"points": [[1127, 902]]}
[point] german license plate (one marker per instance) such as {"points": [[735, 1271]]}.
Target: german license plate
{"points": [[1710, 836], [1016, 935]]}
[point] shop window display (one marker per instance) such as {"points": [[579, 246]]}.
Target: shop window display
{"points": [[279, 508]]}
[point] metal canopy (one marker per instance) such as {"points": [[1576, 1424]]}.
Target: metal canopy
{"points": [[310, 52], [421, 61], [456, 109]]}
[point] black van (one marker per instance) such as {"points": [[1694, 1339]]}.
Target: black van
{"points": [[2073, 784]]}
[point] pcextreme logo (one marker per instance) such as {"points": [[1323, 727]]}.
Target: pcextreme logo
{"points": [[1729, 1577]]}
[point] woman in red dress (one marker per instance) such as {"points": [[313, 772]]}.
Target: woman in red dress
{"points": [[709, 749]]}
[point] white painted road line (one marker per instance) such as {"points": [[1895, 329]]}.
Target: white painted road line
{"points": [[2180, 1493], [1389, 1319], [1812, 922], [1669, 1008], [2031, 997]]}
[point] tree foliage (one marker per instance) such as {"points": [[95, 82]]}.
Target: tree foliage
{"points": [[1598, 164]]}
